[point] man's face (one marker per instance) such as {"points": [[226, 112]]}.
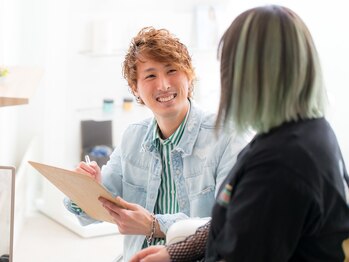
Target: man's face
{"points": [[163, 88]]}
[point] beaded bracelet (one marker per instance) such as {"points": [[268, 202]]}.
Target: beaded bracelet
{"points": [[152, 230]]}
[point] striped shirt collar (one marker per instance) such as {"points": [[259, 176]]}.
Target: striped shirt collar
{"points": [[175, 137]]}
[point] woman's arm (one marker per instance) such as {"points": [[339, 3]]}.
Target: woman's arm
{"points": [[192, 248]]}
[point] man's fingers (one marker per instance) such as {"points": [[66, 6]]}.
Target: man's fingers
{"points": [[120, 203], [109, 205], [145, 252], [125, 204], [85, 169]]}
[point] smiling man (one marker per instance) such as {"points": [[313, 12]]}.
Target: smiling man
{"points": [[168, 167]]}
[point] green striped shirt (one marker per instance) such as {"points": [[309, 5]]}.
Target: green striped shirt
{"points": [[167, 202]]}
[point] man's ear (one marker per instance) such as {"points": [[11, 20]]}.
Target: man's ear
{"points": [[136, 94], [134, 90]]}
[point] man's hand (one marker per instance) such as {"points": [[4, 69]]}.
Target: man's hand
{"points": [[91, 169], [152, 254], [133, 219]]}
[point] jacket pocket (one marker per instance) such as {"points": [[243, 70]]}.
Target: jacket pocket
{"points": [[134, 194], [202, 202]]}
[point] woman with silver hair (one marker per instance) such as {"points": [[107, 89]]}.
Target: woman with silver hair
{"points": [[286, 198]]}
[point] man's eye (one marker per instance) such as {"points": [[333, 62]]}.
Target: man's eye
{"points": [[172, 71], [149, 76]]}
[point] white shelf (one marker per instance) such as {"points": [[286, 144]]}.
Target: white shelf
{"points": [[19, 85], [137, 112]]}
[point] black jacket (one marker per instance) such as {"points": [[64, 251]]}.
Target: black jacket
{"points": [[286, 200]]}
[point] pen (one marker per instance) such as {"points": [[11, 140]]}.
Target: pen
{"points": [[87, 159], [118, 258]]}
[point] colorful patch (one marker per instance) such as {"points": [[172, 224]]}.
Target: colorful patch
{"points": [[224, 197]]}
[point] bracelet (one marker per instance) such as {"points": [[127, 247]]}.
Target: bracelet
{"points": [[75, 208], [152, 230]]}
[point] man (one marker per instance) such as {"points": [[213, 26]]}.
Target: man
{"points": [[169, 167]]}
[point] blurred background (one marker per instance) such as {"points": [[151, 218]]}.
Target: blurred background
{"points": [[79, 46]]}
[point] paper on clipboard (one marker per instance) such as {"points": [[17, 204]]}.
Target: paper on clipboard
{"points": [[80, 188]]}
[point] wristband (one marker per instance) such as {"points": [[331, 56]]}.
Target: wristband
{"points": [[152, 230]]}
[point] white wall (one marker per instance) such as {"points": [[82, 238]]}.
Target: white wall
{"points": [[9, 39]]}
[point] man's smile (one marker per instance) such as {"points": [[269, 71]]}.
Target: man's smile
{"points": [[166, 98]]}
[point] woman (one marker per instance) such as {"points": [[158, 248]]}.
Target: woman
{"points": [[286, 198]]}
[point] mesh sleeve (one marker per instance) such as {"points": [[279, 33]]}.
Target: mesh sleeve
{"points": [[192, 248]]}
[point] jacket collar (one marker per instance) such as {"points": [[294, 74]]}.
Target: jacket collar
{"points": [[191, 131]]}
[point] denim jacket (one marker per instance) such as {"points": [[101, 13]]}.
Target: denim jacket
{"points": [[200, 163]]}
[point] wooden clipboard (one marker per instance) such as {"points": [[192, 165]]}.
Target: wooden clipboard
{"points": [[80, 188]]}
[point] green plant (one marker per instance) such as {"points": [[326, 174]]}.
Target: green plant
{"points": [[3, 71]]}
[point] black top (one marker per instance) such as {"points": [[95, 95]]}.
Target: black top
{"points": [[284, 200]]}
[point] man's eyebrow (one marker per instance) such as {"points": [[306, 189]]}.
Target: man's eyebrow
{"points": [[149, 69], [154, 69]]}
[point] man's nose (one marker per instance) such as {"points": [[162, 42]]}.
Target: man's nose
{"points": [[164, 84]]}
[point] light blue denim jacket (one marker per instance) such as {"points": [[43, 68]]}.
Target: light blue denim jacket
{"points": [[200, 163]]}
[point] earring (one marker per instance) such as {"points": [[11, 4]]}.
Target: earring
{"points": [[138, 99]]}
